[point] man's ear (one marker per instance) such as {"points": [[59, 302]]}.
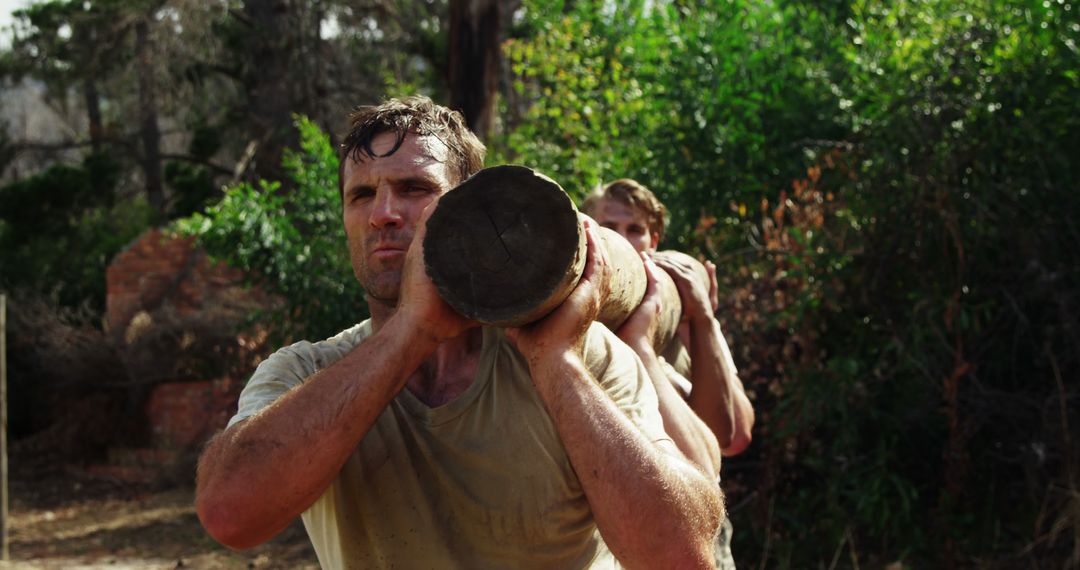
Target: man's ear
{"points": [[654, 240]]}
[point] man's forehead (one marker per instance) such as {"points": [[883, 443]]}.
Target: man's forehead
{"points": [[615, 208], [419, 156], [419, 150]]}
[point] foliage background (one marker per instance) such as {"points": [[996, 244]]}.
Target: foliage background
{"points": [[888, 189]]}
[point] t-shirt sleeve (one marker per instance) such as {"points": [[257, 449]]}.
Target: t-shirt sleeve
{"points": [[280, 372], [289, 367], [622, 375]]}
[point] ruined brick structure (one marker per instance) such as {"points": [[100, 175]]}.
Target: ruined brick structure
{"points": [[160, 274], [156, 269]]}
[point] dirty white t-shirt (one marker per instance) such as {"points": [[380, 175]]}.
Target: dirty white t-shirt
{"points": [[480, 482]]}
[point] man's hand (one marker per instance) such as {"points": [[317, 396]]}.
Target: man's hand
{"points": [[718, 396], [714, 289], [419, 300], [689, 433], [640, 327], [694, 294], [564, 328]]}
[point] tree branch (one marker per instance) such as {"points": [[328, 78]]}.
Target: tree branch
{"points": [[196, 160]]}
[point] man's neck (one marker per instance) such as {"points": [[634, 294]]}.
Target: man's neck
{"points": [[446, 373], [381, 311]]}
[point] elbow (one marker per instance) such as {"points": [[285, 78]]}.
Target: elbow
{"points": [[737, 444], [741, 429], [683, 538], [694, 551], [222, 523], [694, 558], [674, 554], [693, 546], [728, 434]]}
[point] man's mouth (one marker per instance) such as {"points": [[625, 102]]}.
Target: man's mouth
{"points": [[389, 250]]}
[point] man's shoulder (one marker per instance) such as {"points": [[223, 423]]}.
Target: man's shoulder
{"points": [[605, 355], [322, 353], [290, 366], [602, 347]]}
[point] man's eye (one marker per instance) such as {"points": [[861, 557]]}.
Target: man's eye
{"points": [[417, 190]]}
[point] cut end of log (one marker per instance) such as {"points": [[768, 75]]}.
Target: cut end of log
{"points": [[503, 247]]}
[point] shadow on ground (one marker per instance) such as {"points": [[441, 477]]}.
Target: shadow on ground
{"points": [[71, 520]]}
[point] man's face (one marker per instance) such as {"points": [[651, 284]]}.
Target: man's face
{"points": [[628, 222], [382, 201]]}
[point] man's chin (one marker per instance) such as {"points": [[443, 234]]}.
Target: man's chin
{"points": [[384, 291], [384, 300]]}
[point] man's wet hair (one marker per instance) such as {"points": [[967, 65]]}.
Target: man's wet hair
{"points": [[633, 194], [419, 116]]}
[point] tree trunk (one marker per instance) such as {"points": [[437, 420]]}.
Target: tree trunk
{"points": [[317, 91], [506, 247], [88, 67], [151, 135], [474, 61], [93, 113], [270, 40]]}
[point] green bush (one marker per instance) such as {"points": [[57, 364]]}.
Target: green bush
{"points": [[291, 244], [887, 190], [60, 228]]}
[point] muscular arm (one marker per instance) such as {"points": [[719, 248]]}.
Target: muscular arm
{"points": [[690, 434], [653, 508], [260, 474], [263, 472], [717, 396]]}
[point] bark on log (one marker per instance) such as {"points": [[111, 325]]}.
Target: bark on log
{"points": [[506, 247]]}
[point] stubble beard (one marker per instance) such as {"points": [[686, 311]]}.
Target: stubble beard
{"points": [[381, 284]]}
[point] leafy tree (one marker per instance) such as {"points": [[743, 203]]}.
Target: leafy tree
{"points": [[886, 189], [293, 244], [60, 228], [691, 102], [66, 43]]}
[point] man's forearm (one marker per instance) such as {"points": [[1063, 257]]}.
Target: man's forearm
{"points": [[259, 475], [690, 434], [654, 509], [717, 395]]}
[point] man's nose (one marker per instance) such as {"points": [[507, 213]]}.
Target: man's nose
{"points": [[387, 210]]}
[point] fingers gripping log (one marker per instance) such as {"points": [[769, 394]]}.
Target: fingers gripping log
{"points": [[507, 246]]}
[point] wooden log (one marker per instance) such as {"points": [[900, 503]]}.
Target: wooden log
{"points": [[504, 247], [507, 246]]}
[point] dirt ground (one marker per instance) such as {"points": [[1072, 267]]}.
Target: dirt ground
{"points": [[67, 519]]}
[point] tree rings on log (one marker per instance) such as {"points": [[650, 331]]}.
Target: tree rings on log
{"points": [[505, 246]]}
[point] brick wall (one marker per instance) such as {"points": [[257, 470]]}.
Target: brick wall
{"points": [[156, 269], [185, 414], [157, 273]]}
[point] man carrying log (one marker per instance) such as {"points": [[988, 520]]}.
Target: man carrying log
{"points": [[714, 391], [418, 439]]}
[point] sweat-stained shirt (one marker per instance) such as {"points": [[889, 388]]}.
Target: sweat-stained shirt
{"points": [[480, 482]]}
